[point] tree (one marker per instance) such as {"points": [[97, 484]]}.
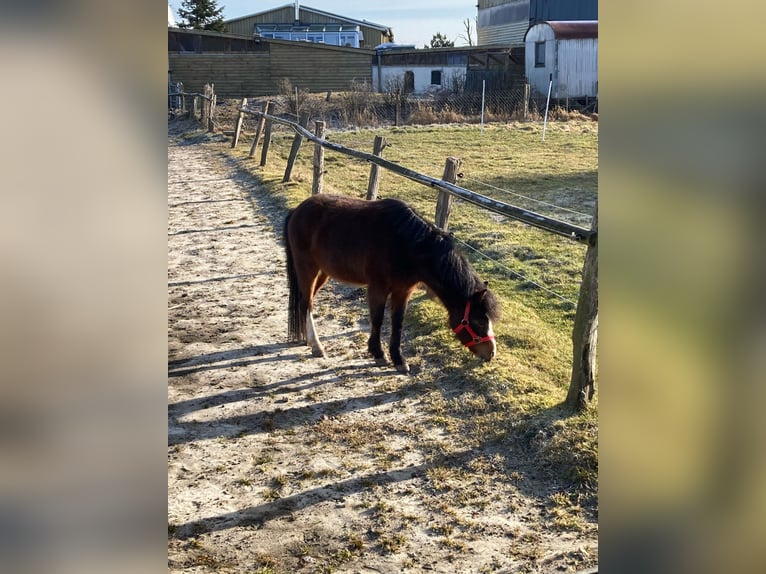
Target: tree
{"points": [[468, 36], [202, 15], [439, 40]]}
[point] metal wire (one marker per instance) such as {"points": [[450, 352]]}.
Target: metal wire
{"points": [[526, 197], [516, 273]]}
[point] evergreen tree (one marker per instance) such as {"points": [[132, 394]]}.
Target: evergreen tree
{"points": [[439, 40], [202, 15]]}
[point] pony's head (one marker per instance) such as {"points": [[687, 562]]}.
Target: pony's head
{"points": [[473, 323]]}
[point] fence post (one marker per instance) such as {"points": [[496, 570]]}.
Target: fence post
{"points": [[266, 141], [211, 114], [374, 183], [261, 122], [297, 141], [316, 186], [444, 199], [195, 107], [207, 105], [179, 99], [585, 333], [526, 100], [238, 126], [206, 93]]}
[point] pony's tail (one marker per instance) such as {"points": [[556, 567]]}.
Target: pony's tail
{"points": [[296, 320]]}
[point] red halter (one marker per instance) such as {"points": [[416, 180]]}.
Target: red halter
{"points": [[475, 339]]}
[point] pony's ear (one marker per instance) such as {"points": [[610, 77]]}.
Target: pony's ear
{"points": [[486, 283]]}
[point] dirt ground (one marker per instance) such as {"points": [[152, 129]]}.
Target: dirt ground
{"points": [[280, 462]]}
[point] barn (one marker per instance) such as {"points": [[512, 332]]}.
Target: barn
{"points": [[303, 23], [453, 69], [506, 21], [566, 53], [251, 66]]}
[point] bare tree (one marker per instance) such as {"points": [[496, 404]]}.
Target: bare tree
{"points": [[469, 28]]}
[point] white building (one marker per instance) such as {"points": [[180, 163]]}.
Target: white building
{"points": [[418, 71], [566, 53]]}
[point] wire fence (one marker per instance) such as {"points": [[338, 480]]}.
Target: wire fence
{"points": [[360, 107]]}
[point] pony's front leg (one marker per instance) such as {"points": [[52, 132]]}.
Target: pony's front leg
{"points": [[312, 340], [377, 303], [398, 307]]}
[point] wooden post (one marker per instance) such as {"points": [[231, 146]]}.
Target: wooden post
{"points": [[238, 126], [206, 93], [397, 113], [211, 114], [183, 103], [297, 141], [195, 107], [316, 186], [261, 122], [444, 199], [372, 186], [585, 334], [526, 100], [266, 141]]}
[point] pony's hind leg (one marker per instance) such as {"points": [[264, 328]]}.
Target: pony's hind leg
{"points": [[312, 340], [311, 279]]}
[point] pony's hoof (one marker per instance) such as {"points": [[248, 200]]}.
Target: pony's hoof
{"points": [[319, 353], [381, 361], [403, 368]]}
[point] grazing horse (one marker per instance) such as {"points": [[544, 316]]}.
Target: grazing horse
{"points": [[385, 245]]}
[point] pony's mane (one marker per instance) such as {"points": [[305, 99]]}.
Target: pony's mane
{"points": [[445, 263]]}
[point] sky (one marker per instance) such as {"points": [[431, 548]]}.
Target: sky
{"points": [[413, 21]]}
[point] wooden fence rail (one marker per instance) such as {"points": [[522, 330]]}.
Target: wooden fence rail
{"points": [[202, 104], [584, 336], [580, 234]]}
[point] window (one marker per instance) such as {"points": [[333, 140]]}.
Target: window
{"points": [[436, 77], [539, 54]]}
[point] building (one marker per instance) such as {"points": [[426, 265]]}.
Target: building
{"points": [[296, 22], [454, 69], [564, 56], [247, 66], [506, 21]]}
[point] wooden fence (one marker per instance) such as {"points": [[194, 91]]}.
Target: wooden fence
{"points": [[584, 336], [197, 106]]}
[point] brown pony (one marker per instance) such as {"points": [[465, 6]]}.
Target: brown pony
{"points": [[388, 247]]}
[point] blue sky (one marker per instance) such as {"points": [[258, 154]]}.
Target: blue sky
{"points": [[413, 21]]}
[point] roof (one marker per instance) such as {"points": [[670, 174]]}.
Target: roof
{"points": [[568, 29], [288, 43], [380, 27]]}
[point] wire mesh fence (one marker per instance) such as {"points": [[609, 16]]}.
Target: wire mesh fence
{"points": [[361, 107]]}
